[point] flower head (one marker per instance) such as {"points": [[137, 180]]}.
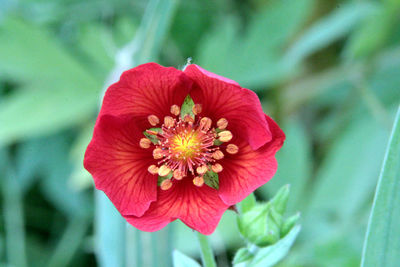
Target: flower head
{"points": [[171, 144]]}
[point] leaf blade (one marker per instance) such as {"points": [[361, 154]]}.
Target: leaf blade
{"points": [[381, 244]]}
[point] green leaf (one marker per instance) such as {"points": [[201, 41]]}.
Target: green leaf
{"points": [[328, 29], [279, 201], [243, 254], [247, 204], [248, 57], [187, 106], [271, 255], [372, 35], [289, 223], [181, 260], [151, 137], [162, 178], [211, 179], [382, 243]]}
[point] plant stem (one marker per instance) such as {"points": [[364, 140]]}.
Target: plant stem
{"points": [[207, 256]]}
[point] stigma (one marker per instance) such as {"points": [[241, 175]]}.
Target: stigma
{"points": [[187, 145]]}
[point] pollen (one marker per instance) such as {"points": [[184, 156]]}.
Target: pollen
{"points": [[225, 136], [164, 170], [153, 120], [217, 168], [202, 169], [169, 122], [153, 169], [218, 155], [144, 143], [175, 109], [158, 153], [197, 109], [222, 123], [232, 149], [198, 181], [187, 146], [166, 184]]}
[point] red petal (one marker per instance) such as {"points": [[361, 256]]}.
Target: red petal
{"points": [[224, 98], [249, 169], [200, 208], [145, 90], [119, 165]]}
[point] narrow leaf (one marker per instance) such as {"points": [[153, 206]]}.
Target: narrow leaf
{"points": [[382, 243]]}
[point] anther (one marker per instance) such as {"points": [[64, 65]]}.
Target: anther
{"points": [[166, 184], [217, 168], [169, 122], [218, 154], [158, 153], [202, 169], [225, 136], [151, 132], [232, 149], [164, 170], [205, 124], [178, 174], [197, 109], [153, 120], [222, 123], [188, 119], [175, 110], [153, 169], [198, 181], [144, 143]]}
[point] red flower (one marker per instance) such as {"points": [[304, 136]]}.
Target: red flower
{"points": [[157, 164]]}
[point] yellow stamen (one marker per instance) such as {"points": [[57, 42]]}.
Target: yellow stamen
{"points": [[164, 170], [166, 184], [232, 149], [144, 143], [201, 169], [153, 169], [198, 181], [175, 110], [217, 168], [158, 153], [153, 120], [218, 155], [197, 109], [169, 122], [225, 136], [222, 123]]}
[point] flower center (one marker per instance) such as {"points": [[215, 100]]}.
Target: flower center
{"points": [[186, 144]]}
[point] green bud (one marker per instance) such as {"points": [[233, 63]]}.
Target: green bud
{"points": [[242, 255], [260, 225], [279, 201], [289, 224]]}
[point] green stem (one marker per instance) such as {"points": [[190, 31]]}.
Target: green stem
{"points": [[207, 256]]}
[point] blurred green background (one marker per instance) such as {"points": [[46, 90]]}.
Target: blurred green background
{"points": [[327, 70]]}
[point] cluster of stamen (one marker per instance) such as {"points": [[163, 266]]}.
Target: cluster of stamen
{"points": [[186, 144]]}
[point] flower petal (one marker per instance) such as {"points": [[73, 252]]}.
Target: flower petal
{"points": [[149, 89], [200, 208], [249, 169], [119, 165], [224, 98]]}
